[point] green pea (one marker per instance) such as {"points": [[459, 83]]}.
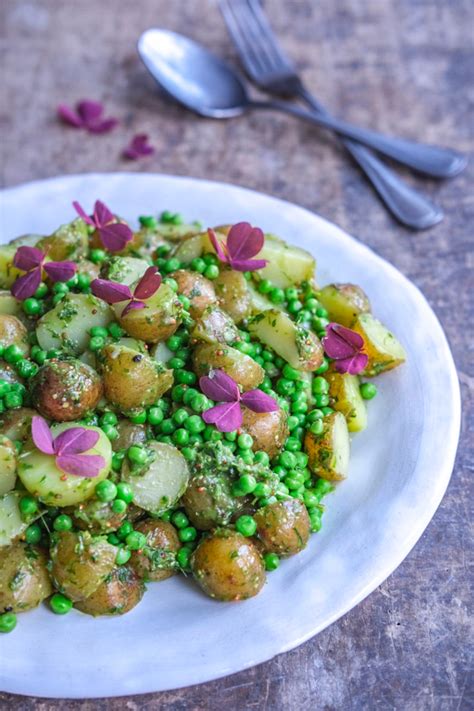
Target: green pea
{"points": [[291, 373], [33, 534], [210, 258], [185, 377], [110, 432], [320, 386], [137, 455], [28, 506], [4, 387], [368, 391], [294, 306], [96, 343], [198, 265], [276, 295], [299, 407], [247, 483], [139, 418], [124, 530], [211, 271], [83, 282], [301, 459], [155, 416], [108, 418], [26, 368], [97, 256], [291, 293], [124, 492], [262, 458], [245, 441], [317, 428], [310, 499], [314, 415], [261, 490], [113, 539], [188, 453], [292, 444], [195, 424], [246, 525], [99, 332], [285, 387], [60, 288], [41, 291], [123, 554], [148, 221], [171, 218], [174, 342], [271, 561], [287, 460], [135, 540], [31, 306], [167, 427], [60, 604], [315, 521], [199, 403], [182, 558], [183, 354], [179, 519], [63, 522], [187, 534], [171, 265], [323, 487], [119, 506], [163, 250], [176, 363], [115, 331], [13, 354], [38, 355], [8, 622], [180, 416], [180, 437], [322, 368], [264, 286], [106, 490]]}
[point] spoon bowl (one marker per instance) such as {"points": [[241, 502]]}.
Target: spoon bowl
{"points": [[192, 75]]}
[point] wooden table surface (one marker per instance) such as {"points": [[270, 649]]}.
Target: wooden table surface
{"points": [[401, 66]]}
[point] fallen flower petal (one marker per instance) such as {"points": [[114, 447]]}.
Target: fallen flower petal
{"points": [[87, 115], [138, 147]]}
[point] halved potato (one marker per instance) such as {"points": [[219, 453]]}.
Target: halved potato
{"points": [[241, 367], [162, 483], [346, 398], [292, 341], [215, 326], [24, 579], [132, 380], [329, 452], [190, 248], [233, 294], [68, 242], [344, 302], [383, 349], [125, 270], [12, 524], [157, 321], [8, 462]]}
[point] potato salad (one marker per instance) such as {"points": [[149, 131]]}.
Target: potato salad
{"points": [[174, 400]]}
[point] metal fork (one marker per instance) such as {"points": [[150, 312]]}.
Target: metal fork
{"points": [[271, 70]]}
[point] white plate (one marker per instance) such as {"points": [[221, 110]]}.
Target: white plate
{"points": [[400, 468]]}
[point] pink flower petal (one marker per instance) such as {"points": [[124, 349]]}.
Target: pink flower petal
{"points": [[115, 237], [244, 241], [27, 258], [110, 291], [69, 116], [138, 147], [220, 387], [41, 435], [148, 284], [217, 246], [26, 285], [81, 213], [133, 305], [102, 214], [247, 265], [102, 126], [226, 417], [89, 110], [341, 342], [85, 465], [353, 365], [60, 271], [75, 440], [259, 401]]}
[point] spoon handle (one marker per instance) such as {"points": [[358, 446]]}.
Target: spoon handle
{"points": [[408, 206], [431, 160]]}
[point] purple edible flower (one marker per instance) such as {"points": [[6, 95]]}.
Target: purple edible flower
{"points": [[138, 147], [345, 347], [113, 235], [32, 261], [227, 416], [69, 448], [88, 115], [114, 293], [243, 242]]}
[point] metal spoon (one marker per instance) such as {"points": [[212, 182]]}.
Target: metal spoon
{"points": [[208, 86]]}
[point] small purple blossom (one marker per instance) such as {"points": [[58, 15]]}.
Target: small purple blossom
{"points": [[138, 147], [113, 235], [114, 293], [243, 242], [69, 448], [87, 115], [32, 261], [345, 347], [227, 416]]}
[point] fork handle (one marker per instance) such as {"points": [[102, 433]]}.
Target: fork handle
{"points": [[410, 207], [430, 160]]}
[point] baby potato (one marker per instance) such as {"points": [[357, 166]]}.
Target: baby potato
{"points": [[233, 294], [97, 516], [346, 398], [80, 563], [227, 566], [283, 527], [344, 302], [9, 305], [24, 579], [208, 500], [198, 289], [13, 332], [144, 242], [117, 594], [12, 523], [8, 373], [286, 264], [157, 321], [8, 273], [241, 367], [383, 349], [68, 242], [129, 434], [65, 390], [190, 248], [84, 266], [215, 326], [125, 270], [16, 424], [269, 430], [329, 452], [156, 560], [292, 341], [8, 462], [133, 380]]}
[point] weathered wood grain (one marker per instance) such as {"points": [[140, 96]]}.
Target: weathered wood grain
{"points": [[402, 66]]}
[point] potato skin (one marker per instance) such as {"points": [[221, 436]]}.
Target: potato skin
{"points": [[243, 369], [24, 579], [97, 517], [119, 593], [215, 326], [13, 332], [158, 321], [269, 430], [70, 241], [328, 453], [162, 539], [233, 294], [80, 563], [283, 527], [344, 302], [129, 434], [66, 390], [199, 290], [208, 500], [133, 380], [16, 424], [227, 566]]}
